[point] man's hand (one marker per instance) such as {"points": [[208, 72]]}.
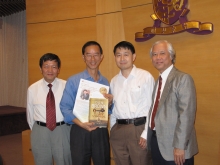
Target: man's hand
{"points": [[179, 156], [143, 143], [87, 125], [109, 97]]}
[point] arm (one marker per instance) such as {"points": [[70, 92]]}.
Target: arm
{"points": [[186, 107], [112, 120], [112, 117], [30, 109], [67, 102], [179, 156], [110, 102], [149, 86]]}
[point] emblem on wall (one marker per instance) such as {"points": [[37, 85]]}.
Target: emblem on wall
{"points": [[169, 12]]}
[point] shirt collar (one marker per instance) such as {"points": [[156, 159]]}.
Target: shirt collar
{"points": [[165, 73], [133, 72], [53, 83], [87, 76]]}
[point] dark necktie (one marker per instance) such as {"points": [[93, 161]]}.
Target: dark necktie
{"points": [[156, 103], [50, 110]]}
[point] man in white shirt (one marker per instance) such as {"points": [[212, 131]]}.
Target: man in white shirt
{"points": [[132, 90], [48, 144]]}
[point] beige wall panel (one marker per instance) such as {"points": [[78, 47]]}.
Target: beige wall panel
{"points": [[62, 38], [53, 10], [196, 55], [200, 61], [219, 154], [107, 6], [135, 20], [109, 32], [132, 3]]}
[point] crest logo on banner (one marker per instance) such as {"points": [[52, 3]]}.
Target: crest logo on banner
{"points": [[169, 12]]}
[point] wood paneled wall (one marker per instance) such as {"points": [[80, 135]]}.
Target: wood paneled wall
{"points": [[62, 27]]}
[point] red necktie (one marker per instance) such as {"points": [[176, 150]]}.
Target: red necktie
{"points": [[50, 110], [156, 103]]}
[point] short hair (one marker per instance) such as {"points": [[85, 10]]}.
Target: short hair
{"points": [[89, 43], [125, 45], [170, 49], [50, 57]]}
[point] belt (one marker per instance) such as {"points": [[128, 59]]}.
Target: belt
{"points": [[135, 121], [44, 124]]}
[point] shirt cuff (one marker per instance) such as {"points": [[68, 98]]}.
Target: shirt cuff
{"points": [[144, 134]]}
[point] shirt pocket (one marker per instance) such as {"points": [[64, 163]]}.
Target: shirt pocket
{"points": [[135, 94], [39, 100]]}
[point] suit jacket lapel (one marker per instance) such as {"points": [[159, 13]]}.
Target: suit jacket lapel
{"points": [[166, 88]]}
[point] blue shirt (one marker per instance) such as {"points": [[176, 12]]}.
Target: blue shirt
{"points": [[69, 94]]}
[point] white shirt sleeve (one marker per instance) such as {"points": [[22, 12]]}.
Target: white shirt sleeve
{"points": [[149, 90], [30, 109]]}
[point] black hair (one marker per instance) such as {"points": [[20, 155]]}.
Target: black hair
{"points": [[50, 57], [89, 43], [125, 45]]}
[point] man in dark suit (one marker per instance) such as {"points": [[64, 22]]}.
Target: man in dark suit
{"points": [[171, 133]]}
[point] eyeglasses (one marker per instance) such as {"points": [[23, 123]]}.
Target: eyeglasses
{"points": [[89, 56]]}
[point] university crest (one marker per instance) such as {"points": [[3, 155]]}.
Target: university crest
{"points": [[169, 12]]}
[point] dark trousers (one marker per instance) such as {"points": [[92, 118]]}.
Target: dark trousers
{"points": [[86, 145], [157, 157]]}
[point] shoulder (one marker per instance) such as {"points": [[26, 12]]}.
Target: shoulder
{"points": [[144, 75], [35, 85], [61, 82], [182, 75], [73, 81], [105, 80], [75, 78], [34, 88], [142, 71], [114, 78], [181, 78]]}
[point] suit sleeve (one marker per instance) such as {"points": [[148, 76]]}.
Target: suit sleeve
{"points": [[186, 107]]}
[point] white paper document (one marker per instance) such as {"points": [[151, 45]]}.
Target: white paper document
{"points": [[87, 89]]}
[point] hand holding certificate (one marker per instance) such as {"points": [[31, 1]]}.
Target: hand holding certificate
{"points": [[87, 89]]}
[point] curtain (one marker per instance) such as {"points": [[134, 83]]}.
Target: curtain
{"points": [[13, 60]]}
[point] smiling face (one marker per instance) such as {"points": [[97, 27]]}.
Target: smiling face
{"points": [[92, 57], [161, 58], [124, 59], [50, 70]]}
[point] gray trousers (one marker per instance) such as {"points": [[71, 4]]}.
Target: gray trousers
{"points": [[51, 146], [124, 140]]}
